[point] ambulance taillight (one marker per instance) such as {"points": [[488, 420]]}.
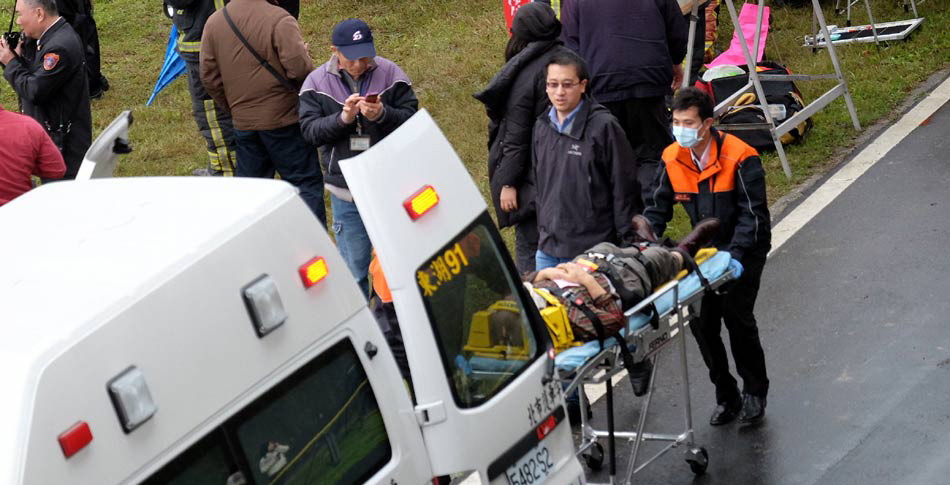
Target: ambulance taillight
{"points": [[75, 438], [421, 202], [313, 272]]}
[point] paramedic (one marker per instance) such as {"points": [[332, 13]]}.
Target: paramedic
{"points": [[713, 174], [347, 105], [581, 157], [514, 98]]}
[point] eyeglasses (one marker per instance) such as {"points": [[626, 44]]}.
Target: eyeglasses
{"points": [[567, 85]]}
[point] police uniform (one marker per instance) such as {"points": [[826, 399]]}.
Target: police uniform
{"points": [[214, 123], [50, 80]]}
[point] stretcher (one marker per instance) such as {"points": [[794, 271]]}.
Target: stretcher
{"points": [[648, 333]]}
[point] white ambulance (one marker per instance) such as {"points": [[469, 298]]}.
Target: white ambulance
{"points": [[206, 331]]}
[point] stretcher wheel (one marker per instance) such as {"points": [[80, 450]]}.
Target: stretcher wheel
{"points": [[594, 456], [698, 460]]}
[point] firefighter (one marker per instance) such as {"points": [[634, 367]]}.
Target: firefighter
{"points": [[213, 121]]}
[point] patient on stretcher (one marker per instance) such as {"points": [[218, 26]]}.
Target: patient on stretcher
{"points": [[597, 286]]}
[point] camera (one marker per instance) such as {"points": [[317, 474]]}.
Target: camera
{"points": [[12, 38]]}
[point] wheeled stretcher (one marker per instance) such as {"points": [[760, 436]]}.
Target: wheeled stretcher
{"points": [[648, 333]]}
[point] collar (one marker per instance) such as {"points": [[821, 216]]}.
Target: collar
{"points": [[333, 67], [685, 156], [703, 160], [568, 121], [39, 42]]}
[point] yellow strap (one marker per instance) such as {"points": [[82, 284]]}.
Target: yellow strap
{"points": [[548, 297]]}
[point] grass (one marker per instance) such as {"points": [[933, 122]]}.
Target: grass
{"points": [[451, 49]]}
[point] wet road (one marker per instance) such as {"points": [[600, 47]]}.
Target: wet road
{"points": [[854, 314]]}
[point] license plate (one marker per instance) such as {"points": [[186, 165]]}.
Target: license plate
{"points": [[533, 468]]}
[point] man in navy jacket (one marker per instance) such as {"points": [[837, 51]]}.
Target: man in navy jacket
{"points": [[634, 50]]}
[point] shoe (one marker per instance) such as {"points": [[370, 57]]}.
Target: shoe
{"points": [[701, 235], [642, 230], [725, 413], [207, 172], [753, 409], [640, 377]]}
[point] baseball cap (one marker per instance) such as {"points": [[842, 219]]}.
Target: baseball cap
{"points": [[354, 39]]}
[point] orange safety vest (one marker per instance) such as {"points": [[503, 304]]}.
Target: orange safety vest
{"points": [[380, 286]]}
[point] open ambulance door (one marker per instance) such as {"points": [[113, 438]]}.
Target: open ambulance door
{"points": [[486, 397]]}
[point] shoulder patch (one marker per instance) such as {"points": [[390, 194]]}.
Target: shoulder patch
{"points": [[50, 60]]}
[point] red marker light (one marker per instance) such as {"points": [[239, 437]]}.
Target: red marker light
{"points": [[421, 202], [546, 427], [75, 438], [313, 272]]}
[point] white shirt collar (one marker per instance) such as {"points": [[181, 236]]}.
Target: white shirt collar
{"points": [[40, 40], [703, 161]]}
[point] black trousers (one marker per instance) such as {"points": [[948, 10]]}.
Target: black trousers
{"points": [[214, 122], [735, 309], [646, 121], [526, 244]]}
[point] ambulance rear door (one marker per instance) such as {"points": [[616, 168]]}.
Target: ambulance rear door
{"points": [[486, 395]]}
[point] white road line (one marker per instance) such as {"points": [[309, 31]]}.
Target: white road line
{"points": [[834, 186], [871, 154]]}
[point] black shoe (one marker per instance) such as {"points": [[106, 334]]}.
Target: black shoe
{"points": [[701, 235], [642, 230], [725, 413], [640, 377], [753, 409]]}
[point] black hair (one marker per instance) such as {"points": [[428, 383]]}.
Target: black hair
{"points": [[515, 45], [688, 97], [568, 58]]}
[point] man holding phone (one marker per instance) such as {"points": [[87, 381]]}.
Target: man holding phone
{"points": [[347, 105]]}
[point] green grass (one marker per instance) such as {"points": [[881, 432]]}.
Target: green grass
{"points": [[451, 49]]}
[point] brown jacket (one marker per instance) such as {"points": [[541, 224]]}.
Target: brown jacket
{"points": [[234, 78]]}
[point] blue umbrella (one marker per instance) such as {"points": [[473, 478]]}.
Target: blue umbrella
{"points": [[171, 69]]}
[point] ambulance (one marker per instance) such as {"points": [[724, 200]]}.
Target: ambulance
{"points": [[206, 331]]}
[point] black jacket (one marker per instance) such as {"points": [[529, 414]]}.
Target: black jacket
{"points": [[586, 182], [190, 17], [731, 188], [321, 102], [514, 99], [630, 46], [51, 83]]}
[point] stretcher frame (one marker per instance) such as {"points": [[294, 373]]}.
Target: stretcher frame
{"points": [[649, 342]]}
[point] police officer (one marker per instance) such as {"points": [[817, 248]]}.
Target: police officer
{"points": [[214, 122], [47, 71]]}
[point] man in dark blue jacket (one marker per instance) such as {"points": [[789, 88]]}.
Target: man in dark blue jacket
{"points": [[347, 105], [634, 50], [583, 170]]}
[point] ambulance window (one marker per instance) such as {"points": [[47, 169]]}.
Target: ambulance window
{"points": [[206, 462], [320, 426], [484, 336]]}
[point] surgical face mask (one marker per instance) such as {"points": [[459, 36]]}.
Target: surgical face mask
{"points": [[686, 137]]}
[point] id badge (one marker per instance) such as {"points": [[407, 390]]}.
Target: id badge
{"points": [[359, 143]]}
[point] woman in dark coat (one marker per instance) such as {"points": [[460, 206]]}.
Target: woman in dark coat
{"points": [[514, 99]]}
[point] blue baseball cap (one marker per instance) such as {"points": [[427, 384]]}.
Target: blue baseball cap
{"points": [[354, 39]]}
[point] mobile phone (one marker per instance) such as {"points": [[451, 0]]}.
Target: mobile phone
{"points": [[372, 98]]}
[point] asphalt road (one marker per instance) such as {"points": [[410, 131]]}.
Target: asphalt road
{"points": [[853, 314]]}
